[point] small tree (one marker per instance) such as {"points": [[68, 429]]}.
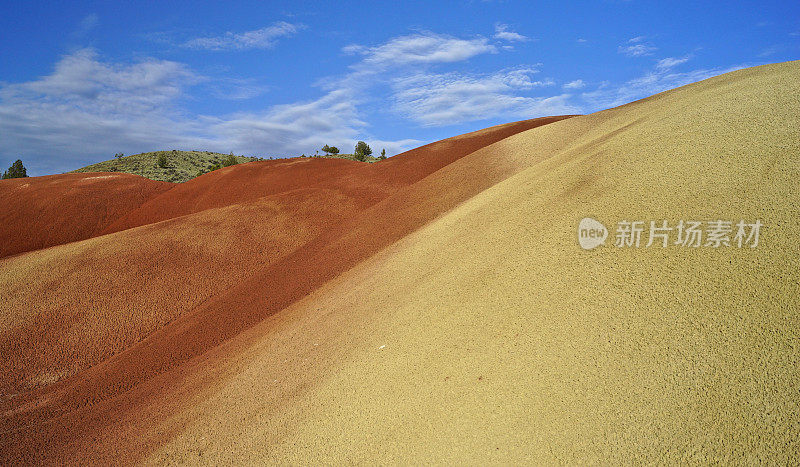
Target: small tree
{"points": [[362, 151], [162, 160], [119, 155], [383, 154], [17, 170], [330, 149]]}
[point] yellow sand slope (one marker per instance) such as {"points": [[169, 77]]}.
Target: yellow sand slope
{"points": [[491, 336]]}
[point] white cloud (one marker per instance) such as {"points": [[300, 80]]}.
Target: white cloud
{"points": [[581, 40], [332, 117], [450, 98], [88, 23], [263, 38], [81, 80], [637, 50], [353, 49], [422, 48], [671, 62], [501, 32], [439, 99], [637, 47], [577, 84]]}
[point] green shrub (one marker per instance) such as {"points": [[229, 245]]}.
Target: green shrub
{"points": [[17, 170], [229, 161], [362, 151], [162, 160], [330, 149]]}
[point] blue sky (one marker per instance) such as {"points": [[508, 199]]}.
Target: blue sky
{"points": [[84, 80]]}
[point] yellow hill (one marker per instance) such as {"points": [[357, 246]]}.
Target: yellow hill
{"points": [[489, 335]]}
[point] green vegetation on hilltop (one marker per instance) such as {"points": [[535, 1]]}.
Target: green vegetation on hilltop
{"points": [[169, 166], [180, 166], [362, 153]]}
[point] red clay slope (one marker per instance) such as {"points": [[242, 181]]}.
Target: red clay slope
{"points": [[40, 212], [392, 205], [254, 180], [76, 305], [366, 182]]}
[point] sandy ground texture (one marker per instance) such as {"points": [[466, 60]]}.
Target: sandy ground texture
{"points": [[477, 330]]}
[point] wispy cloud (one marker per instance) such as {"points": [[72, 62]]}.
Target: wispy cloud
{"points": [[236, 88], [263, 38], [77, 38], [301, 126], [433, 98], [501, 32], [637, 47], [88, 23], [577, 84], [451, 98], [671, 62], [652, 82], [771, 50], [421, 48]]}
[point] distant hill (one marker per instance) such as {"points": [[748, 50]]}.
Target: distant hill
{"points": [[181, 165]]}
